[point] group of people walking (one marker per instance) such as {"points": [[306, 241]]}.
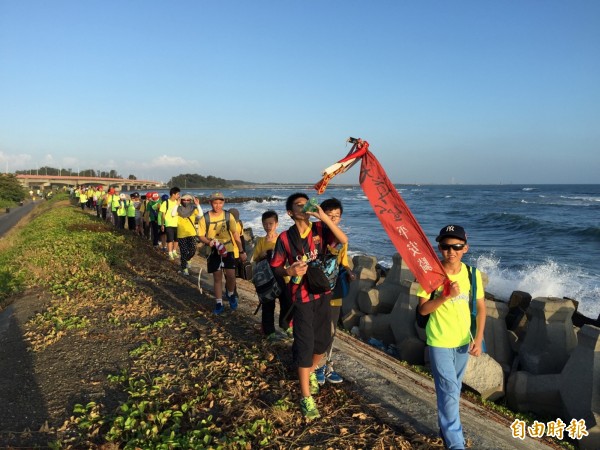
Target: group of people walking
{"points": [[307, 313]]}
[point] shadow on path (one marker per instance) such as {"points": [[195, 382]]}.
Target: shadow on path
{"points": [[23, 407]]}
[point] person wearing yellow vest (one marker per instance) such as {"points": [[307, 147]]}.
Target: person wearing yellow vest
{"points": [[103, 204], [82, 200], [130, 209], [113, 205], [121, 211], [152, 205], [449, 331], [144, 215], [168, 213], [218, 229]]}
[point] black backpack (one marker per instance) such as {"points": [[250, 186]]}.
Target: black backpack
{"points": [[267, 287]]}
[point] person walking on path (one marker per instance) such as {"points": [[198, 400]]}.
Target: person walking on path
{"points": [[449, 331], [152, 210], [188, 214], [168, 212], [334, 210], [302, 244], [263, 249], [217, 228]]}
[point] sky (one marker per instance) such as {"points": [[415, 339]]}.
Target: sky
{"points": [[473, 92]]}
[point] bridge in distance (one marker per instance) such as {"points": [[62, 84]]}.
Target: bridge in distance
{"points": [[58, 181]]}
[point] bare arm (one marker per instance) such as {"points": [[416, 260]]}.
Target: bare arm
{"points": [[337, 232], [427, 306]]}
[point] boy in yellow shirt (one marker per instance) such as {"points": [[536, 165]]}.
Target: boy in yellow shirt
{"points": [[449, 331], [264, 249]]}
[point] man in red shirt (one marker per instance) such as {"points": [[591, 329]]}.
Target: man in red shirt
{"points": [[295, 249]]}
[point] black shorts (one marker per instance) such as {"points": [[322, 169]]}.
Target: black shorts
{"points": [[213, 262], [312, 330], [171, 234]]}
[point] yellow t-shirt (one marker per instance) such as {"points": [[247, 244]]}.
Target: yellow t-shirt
{"points": [[449, 325], [218, 230], [167, 208], [263, 246], [185, 226]]}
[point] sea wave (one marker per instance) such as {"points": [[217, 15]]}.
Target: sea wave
{"points": [[548, 279], [540, 228]]}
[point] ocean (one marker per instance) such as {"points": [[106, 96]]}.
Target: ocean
{"points": [[541, 239]]}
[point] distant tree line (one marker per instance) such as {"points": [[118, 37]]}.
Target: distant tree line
{"points": [[189, 180]]}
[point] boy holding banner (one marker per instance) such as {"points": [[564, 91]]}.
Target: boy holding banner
{"points": [[449, 331]]}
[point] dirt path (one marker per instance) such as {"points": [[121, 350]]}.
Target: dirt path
{"points": [[38, 391], [405, 397]]}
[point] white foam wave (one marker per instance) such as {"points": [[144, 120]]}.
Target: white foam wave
{"points": [[548, 279]]}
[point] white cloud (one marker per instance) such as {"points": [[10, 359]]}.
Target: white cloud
{"points": [[167, 161], [16, 162]]}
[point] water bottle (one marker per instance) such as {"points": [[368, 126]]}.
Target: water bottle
{"points": [[221, 249], [311, 205]]}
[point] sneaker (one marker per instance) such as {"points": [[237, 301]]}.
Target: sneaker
{"points": [[314, 384], [272, 337], [171, 257], [219, 308], [175, 254], [184, 272], [308, 408], [320, 373], [290, 332], [233, 301], [333, 377]]}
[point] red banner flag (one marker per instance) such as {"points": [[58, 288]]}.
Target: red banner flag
{"points": [[395, 216]]}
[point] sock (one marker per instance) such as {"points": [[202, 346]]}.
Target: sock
{"points": [[229, 294], [219, 301]]}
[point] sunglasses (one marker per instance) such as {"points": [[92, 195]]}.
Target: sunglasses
{"points": [[455, 247]]}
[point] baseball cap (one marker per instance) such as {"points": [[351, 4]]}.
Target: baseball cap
{"points": [[217, 196], [455, 231], [155, 196]]}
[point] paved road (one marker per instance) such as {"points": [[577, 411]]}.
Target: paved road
{"points": [[9, 220]]}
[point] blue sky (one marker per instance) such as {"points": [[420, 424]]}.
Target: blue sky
{"points": [[444, 91]]}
